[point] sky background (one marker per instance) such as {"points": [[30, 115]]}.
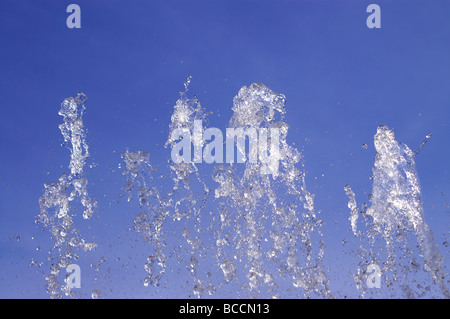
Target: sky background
{"points": [[131, 58]]}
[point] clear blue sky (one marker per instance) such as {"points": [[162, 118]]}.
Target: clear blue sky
{"points": [[341, 80]]}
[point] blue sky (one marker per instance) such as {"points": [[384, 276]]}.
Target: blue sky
{"points": [[341, 80]]}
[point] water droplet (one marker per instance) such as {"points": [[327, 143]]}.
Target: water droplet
{"points": [[95, 294]]}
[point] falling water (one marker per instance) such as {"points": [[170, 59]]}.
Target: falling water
{"points": [[179, 205], [252, 227], [396, 215], [272, 219], [150, 222], [259, 234], [56, 212]]}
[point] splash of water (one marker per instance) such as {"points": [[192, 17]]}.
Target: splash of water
{"points": [[56, 212], [180, 204], [276, 207], [259, 235], [187, 113], [150, 222], [396, 214], [260, 232]]}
